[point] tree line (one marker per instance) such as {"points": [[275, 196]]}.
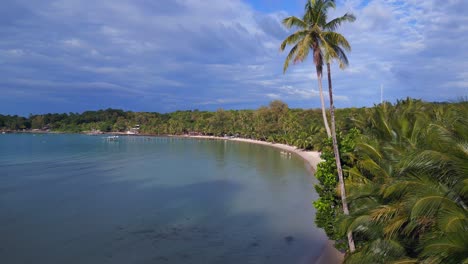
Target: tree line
{"points": [[273, 123]]}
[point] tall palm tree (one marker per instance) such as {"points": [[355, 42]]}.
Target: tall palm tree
{"points": [[308, 37], [333, 48], [317, 34]]}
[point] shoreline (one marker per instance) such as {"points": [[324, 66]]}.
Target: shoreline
{"points": [[329, 254], [311, 157]]}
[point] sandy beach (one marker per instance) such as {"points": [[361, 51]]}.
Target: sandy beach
{"points": [[311, 157], [330, 255]]}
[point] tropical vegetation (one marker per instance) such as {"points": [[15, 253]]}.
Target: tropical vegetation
{"points": [[274, 123], [408, 184], [405, 166], [407, 177], [318, 34]]}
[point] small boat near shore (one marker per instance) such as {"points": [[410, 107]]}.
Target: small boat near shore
{"points": [[111, 138], [286, 154]]}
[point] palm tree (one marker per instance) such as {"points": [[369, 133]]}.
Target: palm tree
{"points": [[309, 36], [333, 49], [317, 34]]}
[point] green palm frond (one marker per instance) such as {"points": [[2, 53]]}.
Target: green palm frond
{"points": [[335, 23], [405, 261], [293, 38], [342, 58], [355, 176], [378, 251], [369, 150], [451, 223], [336, 39], [464, 189], [293, 21], [450, 248], [452, 218], [385, 212], [395, 226], [373, 167], [303, 48], [291, 55], [428, 205], [463, 146], [316, 11], [398, 188]]}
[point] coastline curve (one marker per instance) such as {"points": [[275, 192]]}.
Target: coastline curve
{"points": [[330, 254]]}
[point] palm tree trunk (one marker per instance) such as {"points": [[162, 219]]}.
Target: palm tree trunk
{"points": [[322, 100], [352, 248]]}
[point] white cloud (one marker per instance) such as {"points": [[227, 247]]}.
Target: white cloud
{"points": [[273, 96], [191, 51]]}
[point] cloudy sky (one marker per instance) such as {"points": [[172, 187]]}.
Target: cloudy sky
{"points": [[166, 55]]}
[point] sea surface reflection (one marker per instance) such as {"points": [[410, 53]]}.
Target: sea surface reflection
{"points": [[82, 199]]}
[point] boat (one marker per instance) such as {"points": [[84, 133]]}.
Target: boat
{"points": [[112, 138]]}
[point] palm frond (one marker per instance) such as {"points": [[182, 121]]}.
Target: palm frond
{"points": [[293, 38], [342, 58], [428, 205], [303, 48], [464, 190], [369, 150], [356, 176], [335, 23], [336, 39], [291, 55], [450, 248], [378, 251], [393, 228], [452, 218], [385, 212], [294, 21], [405, 261]]}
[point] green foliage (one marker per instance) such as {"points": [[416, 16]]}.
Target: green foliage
{"points": [[407, 184], [273, 123], [329, 204]]}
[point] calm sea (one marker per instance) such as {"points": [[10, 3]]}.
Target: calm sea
{"points": [[82, 199]]}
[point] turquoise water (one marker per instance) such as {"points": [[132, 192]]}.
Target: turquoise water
{"points": [[81, 199]]}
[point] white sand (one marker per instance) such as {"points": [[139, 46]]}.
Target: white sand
{"points": [[311, 157], [330, 255]]}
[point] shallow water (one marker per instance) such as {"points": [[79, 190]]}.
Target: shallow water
{"points": [[81, 199]]}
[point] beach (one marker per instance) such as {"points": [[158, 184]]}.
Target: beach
{"points": [[330, 254], [311, 157]]}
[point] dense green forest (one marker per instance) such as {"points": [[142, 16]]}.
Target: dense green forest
{"points": [[405, 167]]}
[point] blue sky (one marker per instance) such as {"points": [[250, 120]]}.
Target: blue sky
{"points": [[166, 55]]}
